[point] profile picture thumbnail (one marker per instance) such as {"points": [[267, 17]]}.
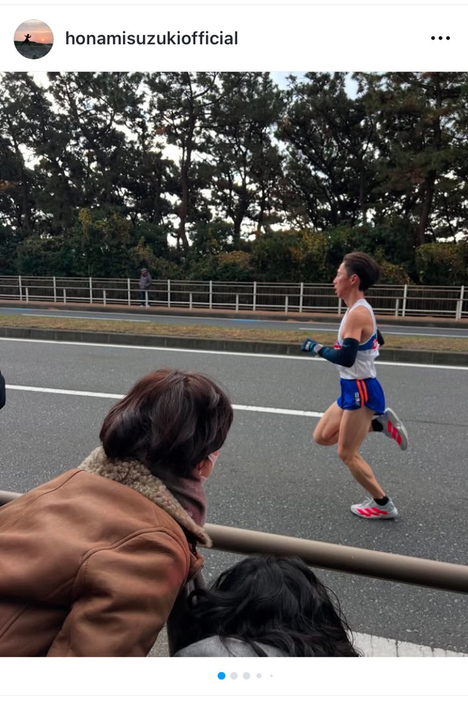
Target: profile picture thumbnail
{"points": [[33, 39]]}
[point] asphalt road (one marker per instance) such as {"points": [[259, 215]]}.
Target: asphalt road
{"points": [[226, 322], [270, 476]]}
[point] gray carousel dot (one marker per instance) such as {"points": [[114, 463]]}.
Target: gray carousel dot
{"points": [[259, 675], [246, 676], [234, 676]]}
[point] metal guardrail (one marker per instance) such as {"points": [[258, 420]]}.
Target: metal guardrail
{"points": [[396, 300], [348, 559]]}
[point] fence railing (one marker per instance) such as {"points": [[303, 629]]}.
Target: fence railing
{"points": [[395, 300], [348, 559]]}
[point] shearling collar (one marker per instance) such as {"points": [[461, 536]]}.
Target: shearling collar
{"points": [[135, 475]]}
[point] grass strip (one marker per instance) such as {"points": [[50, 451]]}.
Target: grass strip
{"points": [[428, 343]]}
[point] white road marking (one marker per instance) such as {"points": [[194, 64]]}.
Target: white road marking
{"points": [[377, 646], [61, 391], [283, 357], [112, 396]]}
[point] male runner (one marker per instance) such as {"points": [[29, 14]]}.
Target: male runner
{"points": [[361, 406]]}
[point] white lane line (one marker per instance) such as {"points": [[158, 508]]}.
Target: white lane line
{"points": [[112, 396], [283, 357], [60, 391], [377, 646], [275, 410]]}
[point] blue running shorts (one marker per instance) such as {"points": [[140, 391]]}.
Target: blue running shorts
{"points": [[357, 393]]}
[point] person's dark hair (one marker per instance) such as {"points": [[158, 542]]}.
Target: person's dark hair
{"points": [[170, 421], [364, 266], [273, 601]]}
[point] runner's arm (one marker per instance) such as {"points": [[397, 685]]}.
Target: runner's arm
{"points": [[346, 355]]}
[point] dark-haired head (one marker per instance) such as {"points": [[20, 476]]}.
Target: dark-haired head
{"points": [[170, 420], [273, 601], [361, 264]]}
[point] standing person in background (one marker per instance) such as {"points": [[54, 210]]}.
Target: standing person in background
{"points": [[361, 406], [93, 561], [145, 284]]}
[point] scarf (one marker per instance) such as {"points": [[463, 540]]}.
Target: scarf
{"points": [[182, 498]]}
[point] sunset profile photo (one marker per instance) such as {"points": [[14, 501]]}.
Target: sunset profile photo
{"points": [[33, 39]]}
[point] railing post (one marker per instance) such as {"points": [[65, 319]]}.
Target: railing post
{"points": [[64, 296], [405, 297], [168, 292], [55, 288], [210, 296], [90, 290], [129, 293], [254, 300], [27, 295], [301, 297], [339, 305], [286, 304], [146, 298], [460, 302], [397, 306], [20, 285], [104, 297], [237, 302], [190, 300]]}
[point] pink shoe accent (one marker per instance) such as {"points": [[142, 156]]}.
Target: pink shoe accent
{"points": [[371, 512]]}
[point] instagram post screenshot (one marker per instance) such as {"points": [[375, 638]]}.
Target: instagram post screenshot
{"points": [[233, 351]]}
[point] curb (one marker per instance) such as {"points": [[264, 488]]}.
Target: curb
{"points": [[261, 347]]}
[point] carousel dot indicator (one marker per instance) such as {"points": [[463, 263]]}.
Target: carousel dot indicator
{"points": [[234, 676], [221, 676]]}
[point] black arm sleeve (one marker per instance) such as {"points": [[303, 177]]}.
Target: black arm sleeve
{"points": [[380, 338], [346, 356]]}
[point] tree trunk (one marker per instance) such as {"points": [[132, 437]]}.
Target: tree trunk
{"points": [[429, 182]]}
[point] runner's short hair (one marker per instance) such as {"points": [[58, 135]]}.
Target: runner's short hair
{"points": [[364, 266]]}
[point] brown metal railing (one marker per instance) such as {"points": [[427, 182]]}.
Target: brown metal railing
{"points": [[348, 559]]}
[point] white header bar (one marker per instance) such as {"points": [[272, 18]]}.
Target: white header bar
{"points": [[277, 38]]}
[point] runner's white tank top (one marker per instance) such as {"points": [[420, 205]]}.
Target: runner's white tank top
{"points": [[368, 351]]}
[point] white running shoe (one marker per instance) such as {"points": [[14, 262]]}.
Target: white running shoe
{"points": [[393, 427], [369, 509]]}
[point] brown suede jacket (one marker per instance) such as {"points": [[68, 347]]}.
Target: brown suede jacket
{"points": [[92, 562]]}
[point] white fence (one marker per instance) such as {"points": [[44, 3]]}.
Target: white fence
{"points": [[396, 300]]}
